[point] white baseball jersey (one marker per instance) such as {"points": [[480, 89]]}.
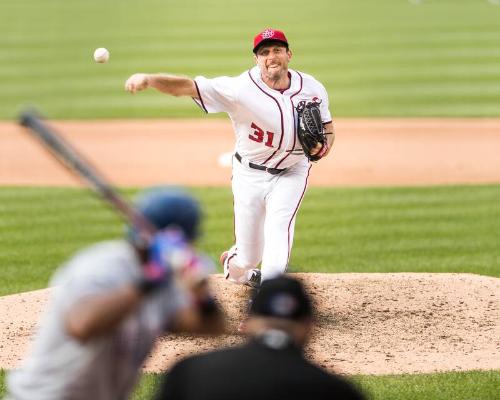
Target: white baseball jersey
{"points": [[264, 119], [106, 367], [265, 125]]}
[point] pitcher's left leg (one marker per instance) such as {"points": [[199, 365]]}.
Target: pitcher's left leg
{"points": [[282, 206]]}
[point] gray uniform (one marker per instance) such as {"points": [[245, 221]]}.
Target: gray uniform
{"points": [[106, 367]]}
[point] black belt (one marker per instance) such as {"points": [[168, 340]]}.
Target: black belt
{"points": [[272, 171]]}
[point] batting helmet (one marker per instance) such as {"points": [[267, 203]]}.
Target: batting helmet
{"points": [[169, 207]]}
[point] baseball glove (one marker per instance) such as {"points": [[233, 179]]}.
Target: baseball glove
{"points": [[310, 129]]}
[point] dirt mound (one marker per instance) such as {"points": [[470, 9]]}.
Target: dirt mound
{"points": [[366, 323]]}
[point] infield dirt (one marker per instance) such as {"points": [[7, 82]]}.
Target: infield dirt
{"points": [[367, 323], [366, 152]]}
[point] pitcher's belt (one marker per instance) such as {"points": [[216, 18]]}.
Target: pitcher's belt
{"points": [[272, 171]]}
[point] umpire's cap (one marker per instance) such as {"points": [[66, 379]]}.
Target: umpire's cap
{"points": [[169, 207], [282, 297]]}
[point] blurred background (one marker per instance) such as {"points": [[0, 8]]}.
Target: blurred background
{"points": [[376, 58]]}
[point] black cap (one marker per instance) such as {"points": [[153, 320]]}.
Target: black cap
{"points": [[282, 297]]}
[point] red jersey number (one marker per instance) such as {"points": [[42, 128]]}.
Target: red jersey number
{"points": [[258, 135]]}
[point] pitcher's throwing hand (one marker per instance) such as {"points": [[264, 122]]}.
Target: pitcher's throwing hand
{"points": [[136, 83]]}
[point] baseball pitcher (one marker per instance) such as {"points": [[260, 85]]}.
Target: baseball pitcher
{"points": [[282, 123]]}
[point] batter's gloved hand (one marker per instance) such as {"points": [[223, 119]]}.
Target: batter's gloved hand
{"points": [[310, 131], [168, 253], [172, 256]]}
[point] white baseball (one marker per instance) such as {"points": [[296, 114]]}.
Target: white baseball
{"points": [[101, 55]]}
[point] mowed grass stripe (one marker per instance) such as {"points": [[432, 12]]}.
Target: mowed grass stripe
{"points": [[93, 75], [428, 83], [381, 47], [358, 39], [343, 102], [453, 109], [442, 33], [463, 80], [466, 62], [435, 229], [478, 385], [382, 56]]}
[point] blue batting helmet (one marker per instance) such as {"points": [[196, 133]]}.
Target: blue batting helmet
{"points": [[169, 207]]}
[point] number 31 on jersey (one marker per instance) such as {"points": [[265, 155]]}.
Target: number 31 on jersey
{"points": [[259, 135]]}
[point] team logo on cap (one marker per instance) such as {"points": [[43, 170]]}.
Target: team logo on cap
{"points": [[268, 33], [283, 305]]}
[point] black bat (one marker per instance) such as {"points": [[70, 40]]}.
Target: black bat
{"points": [[75, 162]]}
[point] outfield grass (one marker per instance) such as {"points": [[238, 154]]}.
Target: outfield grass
{"points": [[2, 382], [473, 385], [433, 229], [376, 58]]}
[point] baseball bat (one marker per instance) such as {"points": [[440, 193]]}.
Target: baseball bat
{"points": [[77, 164]]}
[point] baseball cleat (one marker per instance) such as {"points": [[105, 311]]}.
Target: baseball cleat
{"points": [[254, 278], [223, 259]]}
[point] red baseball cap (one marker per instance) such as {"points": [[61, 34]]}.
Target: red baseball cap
{"points": [[267, 35]]}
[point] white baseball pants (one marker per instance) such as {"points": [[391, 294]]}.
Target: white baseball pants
{"points": [[265, 209]]}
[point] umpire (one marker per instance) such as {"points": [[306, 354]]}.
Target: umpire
{"points": [[270, 366]]}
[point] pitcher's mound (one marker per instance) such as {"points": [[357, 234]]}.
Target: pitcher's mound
{"points": [[366, 323]]}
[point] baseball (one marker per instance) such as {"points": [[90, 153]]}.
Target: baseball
{"points": [[101, 55]]}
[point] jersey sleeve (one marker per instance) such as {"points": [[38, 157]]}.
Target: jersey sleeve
{"points": [[82, 286], [326, 116], [217, 94], [86, 276]]}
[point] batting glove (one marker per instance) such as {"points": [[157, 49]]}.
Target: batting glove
{"points": [[168, 252]]}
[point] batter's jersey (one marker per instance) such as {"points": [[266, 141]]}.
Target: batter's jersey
{"points": [[264, 119], [257, 370], [60, 367]]}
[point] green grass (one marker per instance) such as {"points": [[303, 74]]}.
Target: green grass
{"points": [[147, 387], [376, 58], [40, 228], [2, 382], [472, 385], [433, 229]]}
